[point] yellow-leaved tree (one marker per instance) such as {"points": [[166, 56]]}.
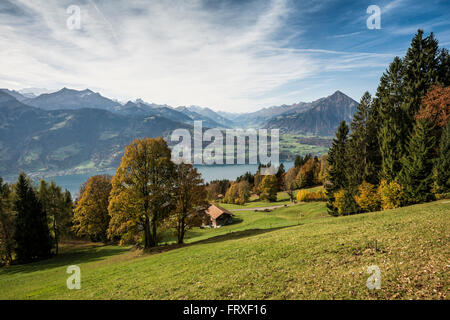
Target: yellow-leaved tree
{"points": [[91, 216], [142, 194], [190, 200]]}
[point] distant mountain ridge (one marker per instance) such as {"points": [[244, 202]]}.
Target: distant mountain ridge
{"points": [[320, 117], [75, 131], [71, 99], [70, 141]]}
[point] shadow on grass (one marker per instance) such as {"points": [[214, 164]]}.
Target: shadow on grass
{"points": [[220, 238], [66, 259], [96, 253]]}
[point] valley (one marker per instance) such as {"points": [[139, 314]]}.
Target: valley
{"points": [[72, 132]]}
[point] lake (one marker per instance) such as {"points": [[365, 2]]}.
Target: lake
{"points": [[209, 173]]}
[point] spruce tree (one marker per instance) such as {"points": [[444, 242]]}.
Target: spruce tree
{"points": [[389, 101], [442, 162], [337, 161], [421, 64], [362, 143], [31, 231], [416, 176], [6, 224], [443, 76]]}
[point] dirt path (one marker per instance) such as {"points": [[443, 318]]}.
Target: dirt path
{"points": [[265, 208]]}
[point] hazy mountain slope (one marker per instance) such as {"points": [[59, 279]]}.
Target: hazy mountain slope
{"points": [[259, 118], [140, 108], [207, 122], [207, 112], [71, 99], [35, 140], [322, 117], [15, 94]]}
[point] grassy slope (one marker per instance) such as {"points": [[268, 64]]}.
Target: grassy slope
{"points": [[320, 258]]}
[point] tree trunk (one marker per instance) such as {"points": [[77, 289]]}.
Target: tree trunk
{"points": [[181, 232], [147, 234], [151, 234], [56, 236]]}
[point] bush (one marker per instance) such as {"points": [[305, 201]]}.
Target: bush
{"points": [[339, 201], [345, 203], [440, 196], [318, 196], [369, 198], [305, 195], [391, 194], [302, 195]]}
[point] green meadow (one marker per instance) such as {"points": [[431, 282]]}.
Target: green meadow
{"points": [[297, 252]]}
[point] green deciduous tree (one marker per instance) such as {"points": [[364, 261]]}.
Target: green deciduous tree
{"points": [[58, 206]]}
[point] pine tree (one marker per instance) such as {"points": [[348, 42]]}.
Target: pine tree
{"points": [[6, 224], [360, 166], [280, 175], [416, 176], [421, 64], [337, 162], [31, 232], [389, 103], [442, 162], [443, 76]]}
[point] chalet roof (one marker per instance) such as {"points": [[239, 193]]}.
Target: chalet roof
{"points": [[215, 211]]}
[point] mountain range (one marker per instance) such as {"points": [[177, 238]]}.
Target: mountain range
{"points": [[75, 131]]}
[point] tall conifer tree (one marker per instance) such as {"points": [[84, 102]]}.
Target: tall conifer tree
{"points": [[31, 233], [362, 143], [442, 162], [421, 64], [337, 178], [390, 100], [416, 176]]}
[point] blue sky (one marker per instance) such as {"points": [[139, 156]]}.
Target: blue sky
{"points": [[234, 56]]}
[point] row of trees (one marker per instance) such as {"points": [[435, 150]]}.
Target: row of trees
{"points": [[308, 171], [32, 220], [396, 150], [148, 195]]}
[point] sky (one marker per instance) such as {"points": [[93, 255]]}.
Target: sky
{"points": [[235, 56]]}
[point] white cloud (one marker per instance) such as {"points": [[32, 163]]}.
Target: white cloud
{"points": [[179, 53]]}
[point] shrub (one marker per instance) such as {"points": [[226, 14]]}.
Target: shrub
{"points": [[391, 194], [345, 203], [368, 199], [319, 195], [339, 201], [305, 195], [440, 196], [302, 195]]}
